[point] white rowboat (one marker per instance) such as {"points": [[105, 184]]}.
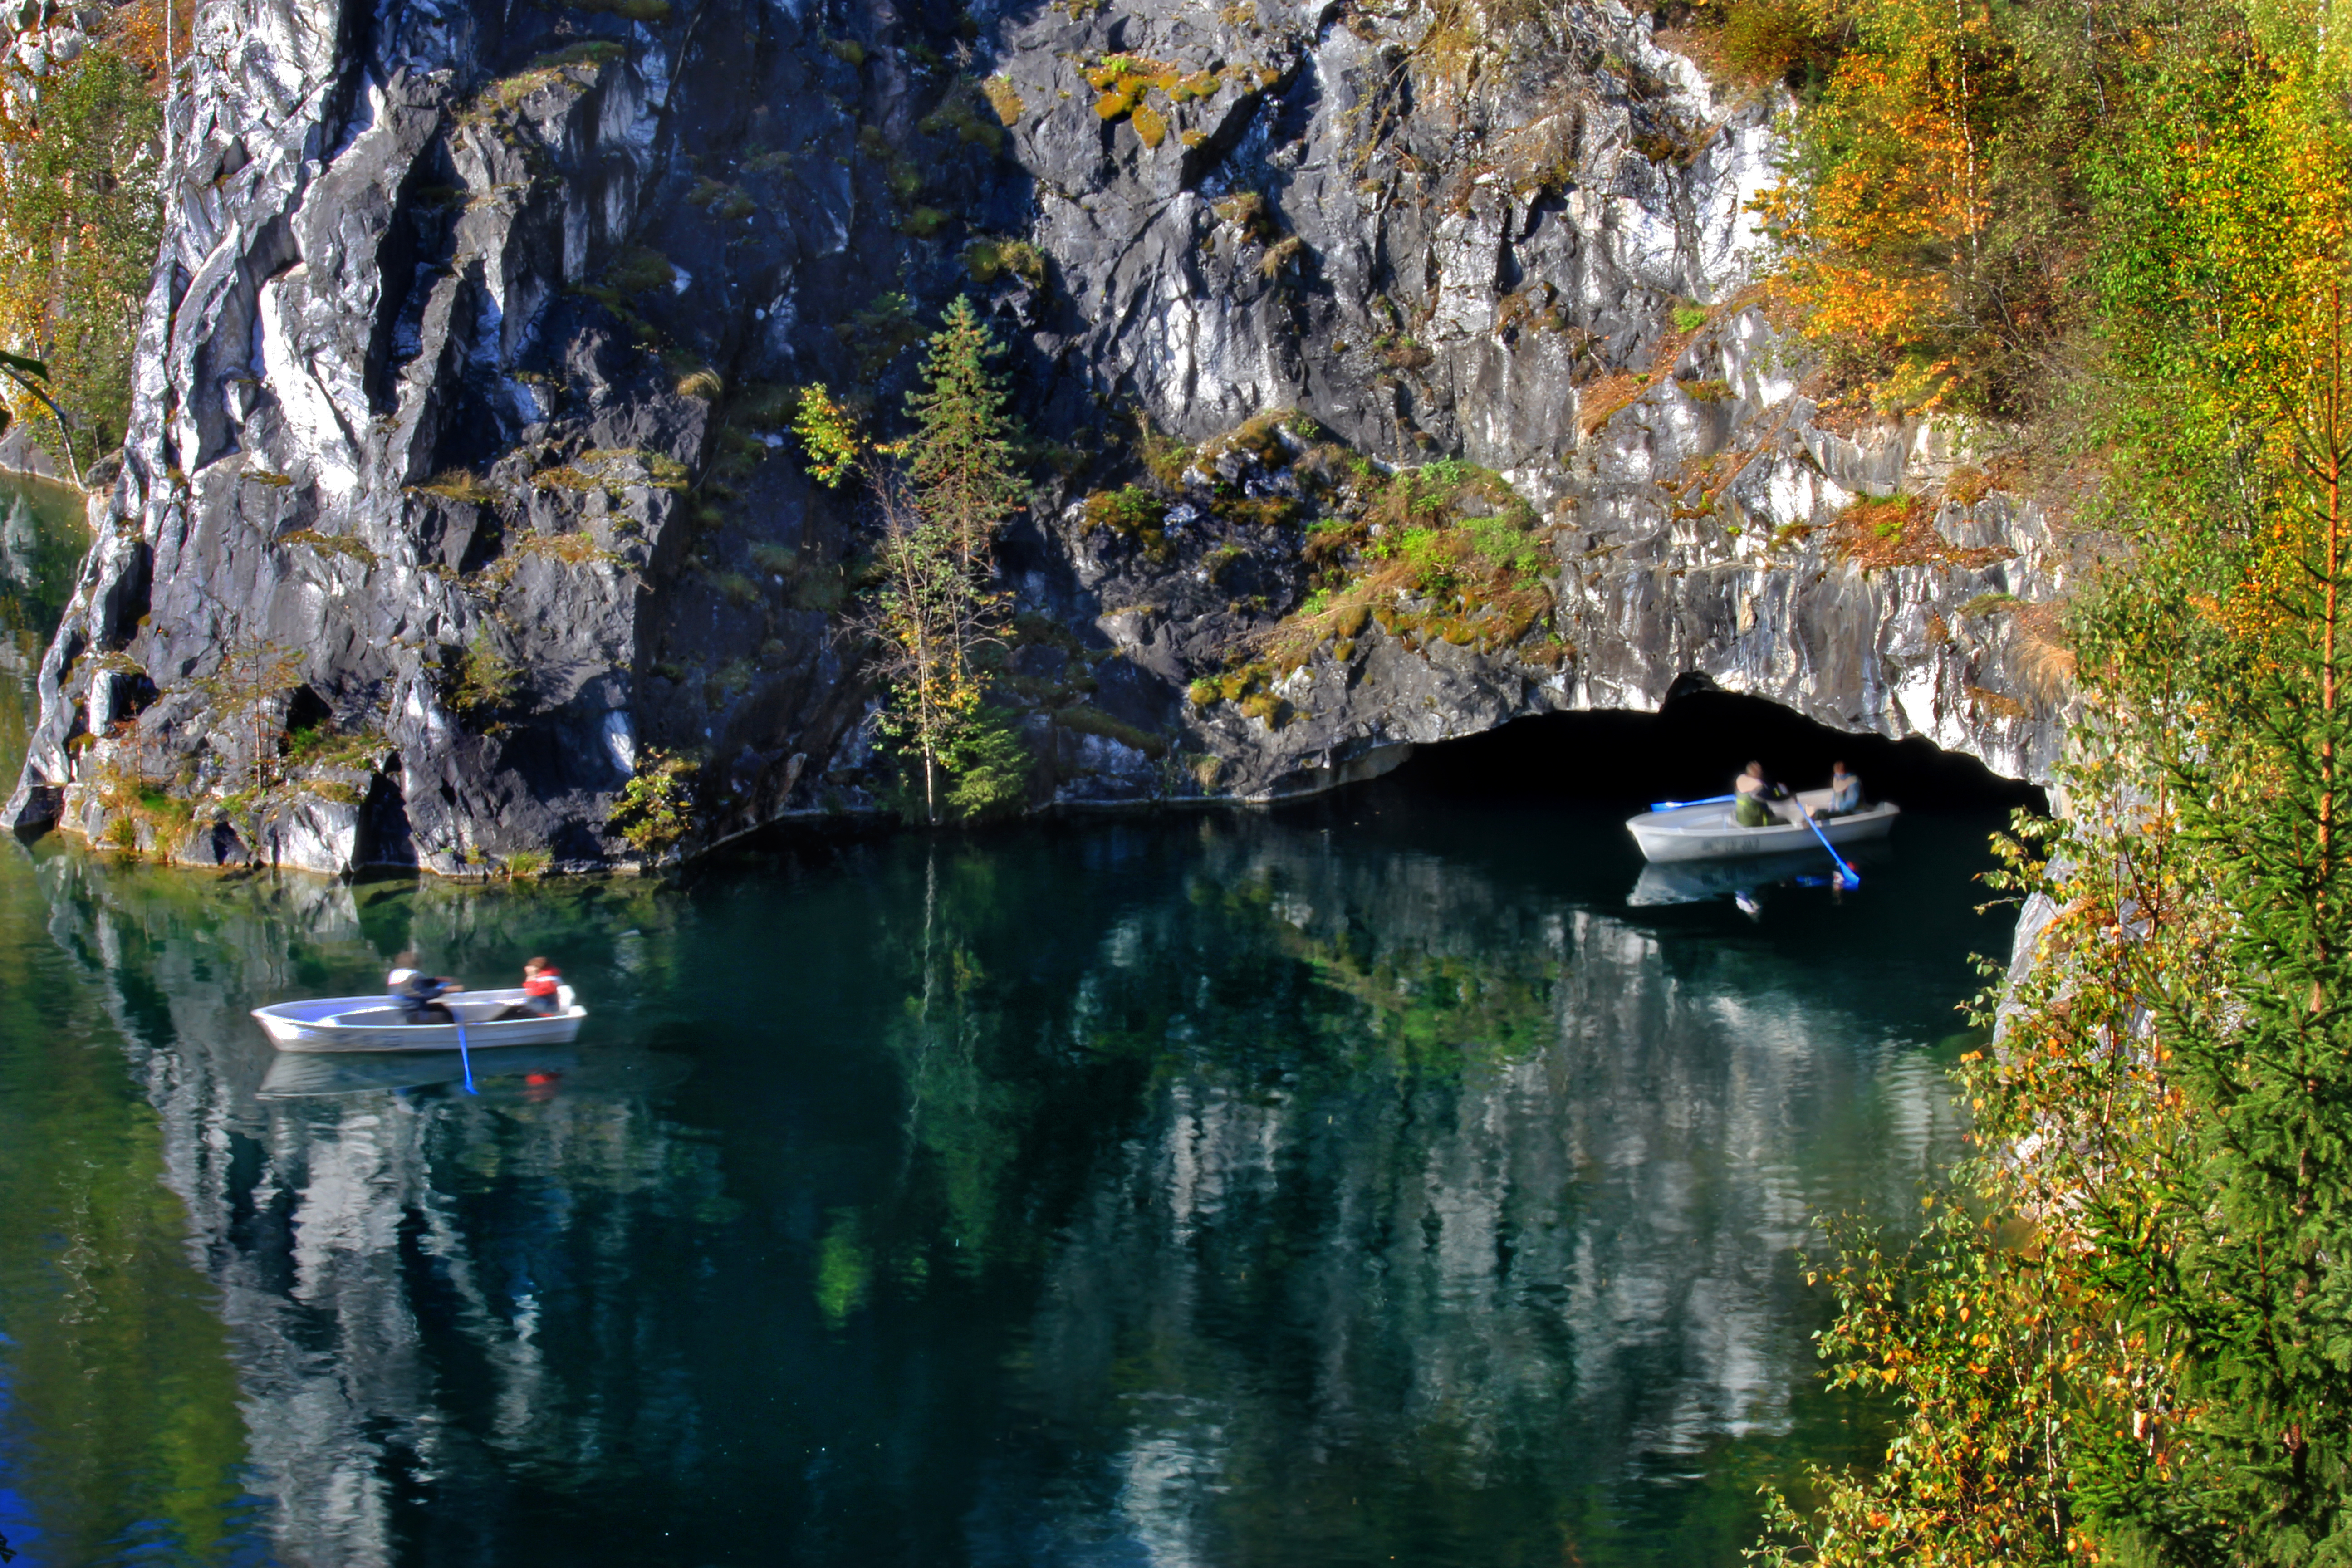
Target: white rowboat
{"points": [[374, 1023], [1709, 832]]}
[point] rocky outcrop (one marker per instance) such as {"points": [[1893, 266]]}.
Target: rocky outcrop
{"points": [[456, 478]]}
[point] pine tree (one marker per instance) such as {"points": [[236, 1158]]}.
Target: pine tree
{"points": [[960, 456], [2256, 1286]]}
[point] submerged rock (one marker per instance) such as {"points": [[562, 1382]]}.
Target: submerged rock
{"points": [[461, 391]]}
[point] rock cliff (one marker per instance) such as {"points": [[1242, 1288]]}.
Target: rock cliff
{"points": [[1393, 371]]}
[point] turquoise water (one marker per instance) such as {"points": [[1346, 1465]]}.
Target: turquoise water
{"points": [[1359, 1183]]}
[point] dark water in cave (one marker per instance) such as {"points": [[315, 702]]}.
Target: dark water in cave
{"points": [[1361, 1183]]}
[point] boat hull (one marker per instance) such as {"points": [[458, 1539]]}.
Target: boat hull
{"points": [[374, 1023], [1710, 833]]}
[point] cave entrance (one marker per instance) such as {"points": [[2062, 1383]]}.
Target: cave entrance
{"points": [[306, 710], [1690, 749]]}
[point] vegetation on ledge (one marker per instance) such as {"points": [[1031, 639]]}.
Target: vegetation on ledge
{"points": [[2126, 1336]]}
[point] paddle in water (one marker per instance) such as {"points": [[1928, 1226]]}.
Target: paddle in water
{"points": [[1847, 877], [463, 1059]]}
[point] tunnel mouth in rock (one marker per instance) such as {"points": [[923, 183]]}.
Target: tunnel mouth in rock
{"points": [[1691, 748]]}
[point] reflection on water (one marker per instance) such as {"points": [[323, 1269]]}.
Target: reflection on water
{"points": [[1295, 1190], [42, 537], [1364, 1182]]}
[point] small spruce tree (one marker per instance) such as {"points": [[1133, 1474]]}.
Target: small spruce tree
{"points": [[960, 456]]}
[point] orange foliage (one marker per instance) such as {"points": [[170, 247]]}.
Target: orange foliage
{"points": [[1879, 225], [136, 31]]}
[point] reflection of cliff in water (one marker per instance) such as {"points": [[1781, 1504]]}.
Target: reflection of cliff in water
{"points": [[390, 1265], [1435, 1190], [41, 541], [1213, 1191]]}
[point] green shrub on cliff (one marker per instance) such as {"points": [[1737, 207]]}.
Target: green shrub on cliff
{"points": [[485, 682], [657, 807]]}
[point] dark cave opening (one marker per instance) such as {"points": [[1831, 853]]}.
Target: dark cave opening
{"points": [[306, 710], [1691, 748]]}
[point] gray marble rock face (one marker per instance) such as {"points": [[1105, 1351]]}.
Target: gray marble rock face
{"points": [[417, 395]]}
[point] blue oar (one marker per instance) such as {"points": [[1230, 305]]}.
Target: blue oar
{"points": [[1678, 805], [463, 1059], [1848, 877]]}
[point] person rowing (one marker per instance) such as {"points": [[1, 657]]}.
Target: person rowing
{"points": [[540, 981], [417, 994], [1757, 802]]}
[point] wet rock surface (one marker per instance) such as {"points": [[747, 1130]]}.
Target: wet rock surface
{"points": [[457, 481]]}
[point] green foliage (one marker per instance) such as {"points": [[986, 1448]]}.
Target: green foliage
{"points": [[828, 435], [960, 454], [576, 63], [1767, 40], [845, 1268], [525, 865], [638, 269], [1133, 513], [881, 331], [78, 218], [306, 745], [486, 680], [960, 759], [973, 114], [2127, 1341], [990, 766], [1163, 456], [29, 374], [989, 259], [656, 805], [1505, 544]]}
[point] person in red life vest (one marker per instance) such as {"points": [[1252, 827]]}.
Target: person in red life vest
{"points": [[541, 980]]}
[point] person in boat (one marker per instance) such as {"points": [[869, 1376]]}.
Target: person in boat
{"points": [[417, 994], [1845, 794], [1756, 801], [541, 980]]}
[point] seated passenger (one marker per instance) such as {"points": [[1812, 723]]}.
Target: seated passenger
{"points": [[1751, 790], [417, 994], [539, 982], [1845, 794]]}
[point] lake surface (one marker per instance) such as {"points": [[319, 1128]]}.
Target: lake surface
{"points": [[1358, 1183]]}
